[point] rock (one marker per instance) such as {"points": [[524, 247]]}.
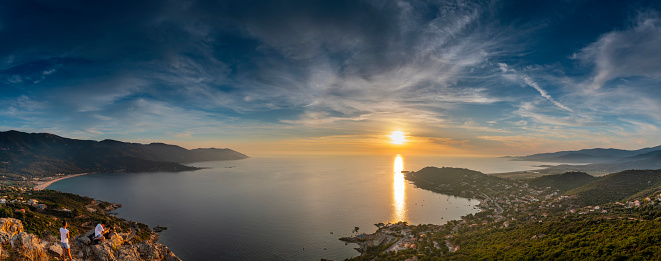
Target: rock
{"points": [[103, 252], [83, 239], [25, 246], [124, 236], [115, 240], [9, 227], [55, 249], [155, 251], [20, 240], [29, 246], [128, 253], [169, 256], [148, 251], [159, 229]]}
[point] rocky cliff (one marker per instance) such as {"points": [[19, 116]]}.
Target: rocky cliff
{"points": [[15, 244]]}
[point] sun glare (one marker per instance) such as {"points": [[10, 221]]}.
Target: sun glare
{"points": [[397, 137]]}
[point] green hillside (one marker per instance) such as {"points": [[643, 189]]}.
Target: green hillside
{"points": [[616, 187], [563, 182]]}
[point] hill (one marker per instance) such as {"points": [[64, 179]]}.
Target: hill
{"points": [[448, 175], [563, 182], [524, 222], [29, 229], [42, 154], [460, 182], [616, 187], [643, 161]]}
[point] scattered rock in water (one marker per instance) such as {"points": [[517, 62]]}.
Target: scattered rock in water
{"points": [[159, 229]]}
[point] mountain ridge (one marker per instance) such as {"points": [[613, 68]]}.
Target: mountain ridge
{"points": [[44, 154], [598, 160], [596, 155]]}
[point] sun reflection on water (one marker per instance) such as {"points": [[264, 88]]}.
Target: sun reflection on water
{"points": [[399, 200]]}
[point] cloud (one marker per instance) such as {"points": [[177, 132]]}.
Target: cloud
{"points": [[513, 75], [23, 106], [417, 73], [539, 115], [631, 52], [544, 94], [452, 70], [28, 73]]}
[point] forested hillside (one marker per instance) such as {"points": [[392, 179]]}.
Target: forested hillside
{"points": [[563, 182], [42, 154]]}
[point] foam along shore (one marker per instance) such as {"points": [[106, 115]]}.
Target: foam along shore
{"points": [[39, 185]]}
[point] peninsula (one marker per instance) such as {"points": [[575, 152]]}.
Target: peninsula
{"points": [[569, 216]]}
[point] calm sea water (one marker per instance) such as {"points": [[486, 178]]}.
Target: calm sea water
{"points": [[280, 208]]}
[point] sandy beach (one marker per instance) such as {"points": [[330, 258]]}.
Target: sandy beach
{"points": [[44, 184]]}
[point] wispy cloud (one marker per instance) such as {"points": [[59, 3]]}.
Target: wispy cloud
{"points": [[450, 72], [512, 74], [631, 52]]}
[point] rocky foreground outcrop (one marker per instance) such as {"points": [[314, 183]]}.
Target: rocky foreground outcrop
{"points": [[15, 244]]}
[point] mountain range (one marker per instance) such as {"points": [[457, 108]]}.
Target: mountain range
{"points": [[597, 155], [600, 160], [43, 154]]}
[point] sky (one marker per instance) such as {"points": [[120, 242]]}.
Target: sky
{"points": [[260, 77]]}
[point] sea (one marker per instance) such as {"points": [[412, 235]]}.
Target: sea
{"points": [[281, 207]]}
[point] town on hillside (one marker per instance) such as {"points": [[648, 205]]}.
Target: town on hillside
{"points": [[527, 221]]}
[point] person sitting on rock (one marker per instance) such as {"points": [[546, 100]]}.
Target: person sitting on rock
{"points": [[100, 231], [64, 239]]}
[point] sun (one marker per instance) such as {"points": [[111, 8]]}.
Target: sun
{"points": [[397, 137]]}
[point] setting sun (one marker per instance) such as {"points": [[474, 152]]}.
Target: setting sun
{"points": [[397, 137]]}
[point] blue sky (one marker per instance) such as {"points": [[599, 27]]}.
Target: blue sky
{"points": [[458, 77]]}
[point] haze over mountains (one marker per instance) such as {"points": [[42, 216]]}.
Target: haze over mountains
{"points": [[603, 160], [597, 155], [43, 154]]}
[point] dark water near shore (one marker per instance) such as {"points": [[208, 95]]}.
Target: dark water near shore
{"points": [[279, 208]]}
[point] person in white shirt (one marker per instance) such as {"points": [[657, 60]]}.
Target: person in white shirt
{"points": [[64, 239], [100, 231]]}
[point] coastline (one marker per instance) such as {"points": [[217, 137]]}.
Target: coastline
{"points": [[40, 185]]}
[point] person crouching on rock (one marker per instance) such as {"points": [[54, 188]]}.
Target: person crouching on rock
{"points": [[64, 239], [100, 232]]}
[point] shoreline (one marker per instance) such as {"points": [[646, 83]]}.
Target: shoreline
{"points": [[41, 185]]}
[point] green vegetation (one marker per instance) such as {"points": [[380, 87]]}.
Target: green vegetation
{"points": [[534, 220], [573, 238], [82, 213], [616, 187], [563, 182], [459, 181]]}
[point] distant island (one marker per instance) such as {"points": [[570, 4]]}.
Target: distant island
{"points": [[38, 155], [594, 161]]}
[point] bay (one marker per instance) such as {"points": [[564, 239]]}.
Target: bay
{"points": [[278, 207]]}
